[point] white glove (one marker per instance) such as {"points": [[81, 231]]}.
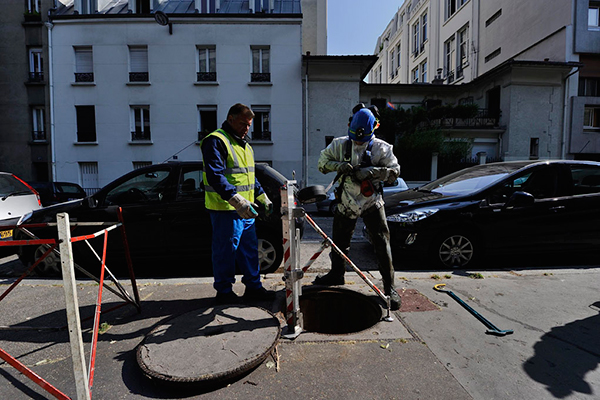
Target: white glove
{"points": [[264, 200], [242, 206]]}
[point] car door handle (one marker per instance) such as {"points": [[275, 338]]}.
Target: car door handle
{"points": [[557, 208]]}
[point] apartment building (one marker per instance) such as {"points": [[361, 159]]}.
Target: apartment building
{"points": [[536, 67]]}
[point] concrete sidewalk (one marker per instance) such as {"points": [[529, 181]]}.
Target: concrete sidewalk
{"points": [[434, 349]]}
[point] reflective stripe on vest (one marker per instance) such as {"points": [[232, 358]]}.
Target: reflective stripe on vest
{"points": [[239, 171]]}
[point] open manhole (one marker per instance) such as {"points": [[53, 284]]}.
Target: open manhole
{"points": [[337, 311]]}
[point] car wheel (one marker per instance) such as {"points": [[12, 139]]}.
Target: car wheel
{"points": [[49, 266], [455, 250], [270, 253]]}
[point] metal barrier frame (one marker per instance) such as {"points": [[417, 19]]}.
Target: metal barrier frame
{"points": [[83, 379]]}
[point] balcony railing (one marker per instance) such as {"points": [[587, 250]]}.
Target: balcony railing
{"points": [[138, 135], [260, 77], [206, 76], [36, 77], [38, 136], [84, 77], [138, 77], [263, 136], [450, 76], [483, 119]]}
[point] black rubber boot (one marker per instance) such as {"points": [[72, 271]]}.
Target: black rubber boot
{"points": [[330, 279], [395, 299]]}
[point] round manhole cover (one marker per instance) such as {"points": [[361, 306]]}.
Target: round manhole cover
{"points": [[337, 311], [208, 345]]}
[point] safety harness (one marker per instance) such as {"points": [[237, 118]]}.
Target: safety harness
{"points": [[367, 187]]}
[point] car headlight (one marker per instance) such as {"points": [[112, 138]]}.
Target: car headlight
{"points": [[412, 216]]}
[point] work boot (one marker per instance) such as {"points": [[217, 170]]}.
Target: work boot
{"points": [[260, 294], [330, 279], [395, 300], [227, 298]]}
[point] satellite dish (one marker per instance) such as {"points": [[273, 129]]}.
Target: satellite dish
{"points": [[161, 18]]}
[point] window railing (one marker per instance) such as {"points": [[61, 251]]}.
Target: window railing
{"points": [[459, 72], [139, 135], [84, 77], [39, 136], [261, 135], [450, 77], [484, 118], [260, 77], [36, 77], [206, 76], [139, 77]]}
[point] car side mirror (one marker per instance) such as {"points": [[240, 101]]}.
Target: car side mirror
{"points": [[519, 199], [92, 202]]}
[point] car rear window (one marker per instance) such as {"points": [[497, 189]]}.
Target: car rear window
{"points": [[10, 185], [67, 188]]}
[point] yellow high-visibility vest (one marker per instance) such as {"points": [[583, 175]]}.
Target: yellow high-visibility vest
{"points": [[239, 171]]}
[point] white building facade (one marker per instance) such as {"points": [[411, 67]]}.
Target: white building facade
{"points": [[128, 92]]}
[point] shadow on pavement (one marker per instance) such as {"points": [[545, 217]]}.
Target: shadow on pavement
{"points": [[564, 355]]}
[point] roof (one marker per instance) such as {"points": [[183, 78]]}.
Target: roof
{"points": [[118, 7]]}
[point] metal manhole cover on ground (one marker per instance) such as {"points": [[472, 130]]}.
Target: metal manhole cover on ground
{"points": [[208, 345]]}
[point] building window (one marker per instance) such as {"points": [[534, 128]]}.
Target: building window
{"points": [[591, 118], [380, 73], [38, 133], [424, 71], [141, 164], [452, 6], [88, 172], [207, 120], [261, 71], [594, 17], [423, 28], [534, 148], [261, 126], [86, 124], [36, 65], [88, 6], [450, 59], [84, 64], [415, 75], [589, 87], [140, 123], [207, 7], [142, 6], [398, 55], [33, 6], [493, 55], [392, 59], [463, 50], [138, 64], [207, 64], [493, 18], [416, 38]]}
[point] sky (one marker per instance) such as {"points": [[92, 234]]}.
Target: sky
{"points": [[353, 26]]}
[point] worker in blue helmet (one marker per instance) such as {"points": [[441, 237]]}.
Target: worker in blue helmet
{"points": [[362, 162]]}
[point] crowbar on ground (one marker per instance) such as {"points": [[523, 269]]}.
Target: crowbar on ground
{"points": [[492, 328]]}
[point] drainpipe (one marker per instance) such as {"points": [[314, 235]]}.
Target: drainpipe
{"points": [[305, 164], [50, 25], [566, 87]]}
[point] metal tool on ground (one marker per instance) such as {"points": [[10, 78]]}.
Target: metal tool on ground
{"points": [[291, 243], [493, 330]]}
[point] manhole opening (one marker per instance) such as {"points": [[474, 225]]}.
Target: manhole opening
{"points": [[337, 311]]}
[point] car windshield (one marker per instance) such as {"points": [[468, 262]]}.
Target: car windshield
{"points": [[10, 186], [471, 179]]}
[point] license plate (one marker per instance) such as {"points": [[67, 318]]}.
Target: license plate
{"points": [[6, 234]]}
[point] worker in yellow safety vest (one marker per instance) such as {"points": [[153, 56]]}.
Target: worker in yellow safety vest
{"points": [[231, 188]]}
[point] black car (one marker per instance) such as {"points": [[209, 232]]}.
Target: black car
{"points": [[167, 226], [519, 207], [57, 192]]}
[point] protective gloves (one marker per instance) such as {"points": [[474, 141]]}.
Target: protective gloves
{"points": [[264, 200], [371, 173], [242, 206], [344, 168]]}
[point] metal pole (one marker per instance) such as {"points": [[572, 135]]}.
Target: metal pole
{"points": [[292, 273], [72, 306]]}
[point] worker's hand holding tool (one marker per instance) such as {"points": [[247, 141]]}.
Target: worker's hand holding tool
{"points": [[266, 202], [344, 168], [242, 206], [374, 174]]}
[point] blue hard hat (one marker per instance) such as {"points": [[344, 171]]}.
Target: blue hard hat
{"points": [[362, 125]]}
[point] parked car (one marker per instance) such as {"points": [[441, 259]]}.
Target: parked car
{"points": [[57, 192], [16, 198], [168, 228], [329, 204], [500, 208]]}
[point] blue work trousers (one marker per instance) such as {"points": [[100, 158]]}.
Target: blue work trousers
{"points": [[234, 242]]}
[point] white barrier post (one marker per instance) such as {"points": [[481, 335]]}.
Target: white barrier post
{"points": [[72, 306]]}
